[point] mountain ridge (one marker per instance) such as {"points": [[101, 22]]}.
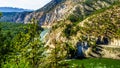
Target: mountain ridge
{"points": [[14, 9], [63, 9], [104, 24], [57, 10]]}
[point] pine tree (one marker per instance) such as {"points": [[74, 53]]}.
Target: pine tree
{"points": [[27, 47], [0, 14]]}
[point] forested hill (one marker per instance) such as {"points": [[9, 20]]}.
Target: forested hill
{"points": [[16, 17], [10, 14]]}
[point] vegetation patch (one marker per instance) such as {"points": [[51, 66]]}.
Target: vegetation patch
{"points": [[94, 63]]}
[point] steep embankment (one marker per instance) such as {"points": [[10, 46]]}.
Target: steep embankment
{"points": [[103, 23], [111, 51], [58, 10]]}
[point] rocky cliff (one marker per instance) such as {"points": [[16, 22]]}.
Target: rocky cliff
{"points": [[102, 25], [58, 10], [75, 21]]}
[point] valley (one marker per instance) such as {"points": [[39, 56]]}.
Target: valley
{"points": [[62, 34]]}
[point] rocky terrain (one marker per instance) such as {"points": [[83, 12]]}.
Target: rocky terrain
{"points": [[103, 23], [58, 10], [63, 34], [72, 21], [111, 51]]}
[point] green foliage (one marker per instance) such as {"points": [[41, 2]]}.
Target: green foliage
{"points": [[89, 2], [67, 32], [0, 14], [23, 63], [70, 50], [102, 23], [70, 30], [56, 56], [20, 45], [27, 51], [28, 44], [13, 28], [118, 33], [82, 66], [95, 63], [74, 18], [77, 15], [22, 49], [5, 46], [104, 9]]}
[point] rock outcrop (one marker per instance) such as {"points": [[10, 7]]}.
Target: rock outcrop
{"points": [[115, 42], [58, 10]]}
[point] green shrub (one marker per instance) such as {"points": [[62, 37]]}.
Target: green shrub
{"points": [[73, 18], [23, 63]]}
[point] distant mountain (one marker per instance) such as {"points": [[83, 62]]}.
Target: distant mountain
{"points": [[10, 14], [11, 9], [16, 17]]}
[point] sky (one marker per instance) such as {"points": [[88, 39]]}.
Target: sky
{"points": [[26, 4]]}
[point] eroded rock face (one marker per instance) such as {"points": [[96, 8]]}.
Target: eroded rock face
{"points": [[111, 52], [115, 42], [58, 10], [53, 11]]}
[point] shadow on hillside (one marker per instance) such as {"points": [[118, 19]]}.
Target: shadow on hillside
{"points": [[96, 51]]}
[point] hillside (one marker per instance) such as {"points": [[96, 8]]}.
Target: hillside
{"points": [[104, 24], [58, 10], [79, 19], [16, 15], [62, 34]]}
